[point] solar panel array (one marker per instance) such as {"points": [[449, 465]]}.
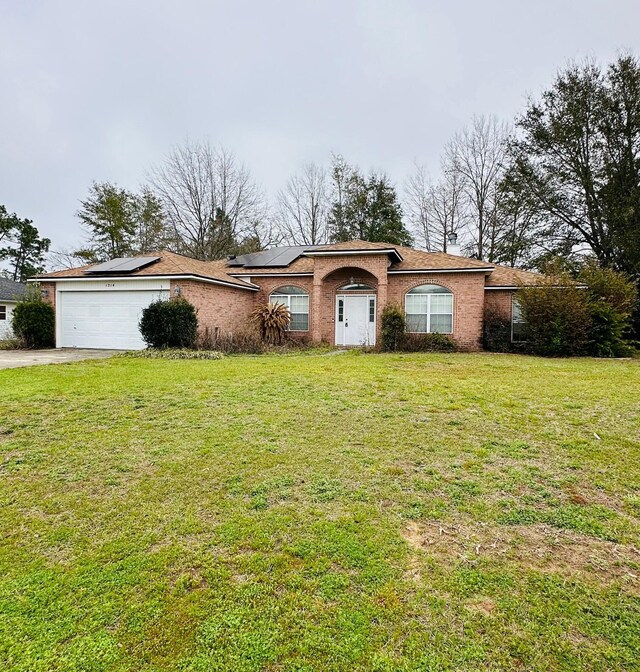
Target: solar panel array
{"points": [[122, 265], [274, 258]]}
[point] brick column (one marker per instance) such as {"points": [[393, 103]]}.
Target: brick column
{"points": [[316, 300], [381, 303]]}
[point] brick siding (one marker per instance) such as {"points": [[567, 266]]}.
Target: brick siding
{"points": [[221, 309], [499, 301], [50, 289]]}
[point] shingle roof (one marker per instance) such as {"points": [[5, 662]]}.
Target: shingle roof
{"points": [[356, 244], [11, 290], [169, 263], [420, 260], [224, 270], [505, 276], [411, 259]]}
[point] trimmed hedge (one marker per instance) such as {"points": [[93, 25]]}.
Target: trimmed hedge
{"points": [[169, 324]]}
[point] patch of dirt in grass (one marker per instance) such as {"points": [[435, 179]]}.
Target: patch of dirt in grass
{"points": [[485, 606], [536, 547]]}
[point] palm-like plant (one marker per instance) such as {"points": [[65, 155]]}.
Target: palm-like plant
{"points": [[272, 319]]}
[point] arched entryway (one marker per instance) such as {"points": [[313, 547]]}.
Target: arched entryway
{"points": [[355, 306]]}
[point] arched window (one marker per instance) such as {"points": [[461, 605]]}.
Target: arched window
{"points": [[429, 309], [297, 301], [356, 287]]}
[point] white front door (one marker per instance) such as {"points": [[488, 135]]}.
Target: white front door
{"points": [[355, 319]]}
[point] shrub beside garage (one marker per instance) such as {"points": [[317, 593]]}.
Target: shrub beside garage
{"points": [[169, 324]]}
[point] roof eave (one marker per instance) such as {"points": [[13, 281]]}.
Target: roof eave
{"points": [[355, 251], [525, 286], [441, 270], [159, 276]]}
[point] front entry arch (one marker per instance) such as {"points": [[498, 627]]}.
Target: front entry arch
{"points": [[355, 319]]}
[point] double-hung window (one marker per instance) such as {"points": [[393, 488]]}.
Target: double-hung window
{"points": [[297, 301], [518, 323], [429, 309]]}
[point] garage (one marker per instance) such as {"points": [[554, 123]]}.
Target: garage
{"points": [[96, 318]]}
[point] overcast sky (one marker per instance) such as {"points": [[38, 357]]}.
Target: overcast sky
{"points": [[102, 90]]}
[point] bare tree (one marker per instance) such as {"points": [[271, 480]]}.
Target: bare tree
{"points": [[417, 190], [435, 210], [63, 259], [478, 154], [210, 201], [303, 207]]}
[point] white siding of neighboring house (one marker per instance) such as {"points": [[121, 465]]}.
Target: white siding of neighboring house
{"points": [[5, 325]]}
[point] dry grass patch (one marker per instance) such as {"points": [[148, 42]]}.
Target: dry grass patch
{"points": [[531, 547]]}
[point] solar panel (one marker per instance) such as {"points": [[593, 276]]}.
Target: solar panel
{"points": [[135, 263], [275, 257], [122, 265], [264, 258], [289, 255]]}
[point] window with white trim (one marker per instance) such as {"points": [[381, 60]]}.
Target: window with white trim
{"points": [[297, 301], [518, 323], [429, 309], [3, 313]]}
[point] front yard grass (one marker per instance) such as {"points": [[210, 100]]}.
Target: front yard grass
{"points": [[317, 512]]}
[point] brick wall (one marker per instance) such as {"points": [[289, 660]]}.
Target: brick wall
{"points": [[220, 308], [50, 288], [499, 300], [468, 301], [331, 272]]}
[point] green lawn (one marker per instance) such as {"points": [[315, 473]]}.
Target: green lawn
{"points": [[321, 512]]}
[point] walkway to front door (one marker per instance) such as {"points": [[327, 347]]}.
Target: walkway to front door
{"points": [[355, 319]]}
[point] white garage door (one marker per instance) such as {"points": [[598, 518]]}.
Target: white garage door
{"points": [[104, 319]]}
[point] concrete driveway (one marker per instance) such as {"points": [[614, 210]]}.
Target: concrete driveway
{"points": [[10, 359]]}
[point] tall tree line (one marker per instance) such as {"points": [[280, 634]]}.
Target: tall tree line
{"points": [[202, 202], [563, 179]]}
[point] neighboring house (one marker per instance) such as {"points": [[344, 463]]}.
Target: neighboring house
{"points": [[335, 293], [10, 293]]}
